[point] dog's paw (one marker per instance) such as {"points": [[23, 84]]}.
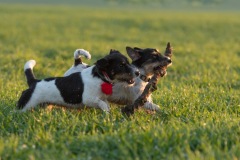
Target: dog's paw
{"points": [[151, 106], [104, 106]]}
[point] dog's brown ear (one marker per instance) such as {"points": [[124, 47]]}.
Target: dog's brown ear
{"points": [[102, 64], [137, 49], [133, 54]]}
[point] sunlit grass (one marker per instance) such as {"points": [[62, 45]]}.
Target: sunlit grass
{"points": [[199, 98]]}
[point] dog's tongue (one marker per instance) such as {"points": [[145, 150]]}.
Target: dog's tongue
{"points": [[106, 88]]}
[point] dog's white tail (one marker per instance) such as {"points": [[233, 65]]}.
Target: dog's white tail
{"points": [[78, 54], [29, 64], [82, 52], [28, 70]]}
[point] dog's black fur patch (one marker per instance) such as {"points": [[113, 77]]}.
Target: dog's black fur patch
{"points": [[77, 61], [25, 97], [30, 77], [49, 79], [71, 88]]}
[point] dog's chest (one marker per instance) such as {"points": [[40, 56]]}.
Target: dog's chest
{"points": [[138, 88], [124, 94]]}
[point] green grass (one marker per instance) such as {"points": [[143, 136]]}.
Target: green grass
{"points": [[199, 98]]}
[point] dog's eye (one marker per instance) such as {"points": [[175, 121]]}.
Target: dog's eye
{"points": [[155, 57]]}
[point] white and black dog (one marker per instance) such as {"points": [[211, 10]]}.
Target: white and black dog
{"points": [[86, 88], [145, 60]]}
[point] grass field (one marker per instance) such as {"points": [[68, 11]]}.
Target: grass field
{"points": [[199, 98]]}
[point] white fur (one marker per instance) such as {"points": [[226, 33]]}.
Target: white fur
{"points": [[92, 94], [75, 69], [30, 64], [44, 92]]}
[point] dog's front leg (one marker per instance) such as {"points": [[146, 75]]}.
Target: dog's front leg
{"points": [[150, 105], [98, 103], [104, 106]]}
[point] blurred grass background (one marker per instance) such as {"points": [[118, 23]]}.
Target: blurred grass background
{"points": [[199, 98]]}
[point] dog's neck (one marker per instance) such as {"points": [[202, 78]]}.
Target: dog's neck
{"points": [[96, 72]]}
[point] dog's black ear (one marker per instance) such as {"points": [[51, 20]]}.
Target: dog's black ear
{"points": [[133, 54], [113, 51], [102, 63]]}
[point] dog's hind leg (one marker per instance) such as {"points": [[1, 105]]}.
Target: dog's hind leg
{"points": [[25, 97], [26, 100]]}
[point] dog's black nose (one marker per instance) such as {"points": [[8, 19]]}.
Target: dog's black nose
{"points": [[137, 73], [169, 61]]}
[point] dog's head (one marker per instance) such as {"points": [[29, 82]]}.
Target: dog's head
{"points": [[148, 60], [115, 67]]}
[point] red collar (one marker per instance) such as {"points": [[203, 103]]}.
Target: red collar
{"points": [[106, 88]]}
